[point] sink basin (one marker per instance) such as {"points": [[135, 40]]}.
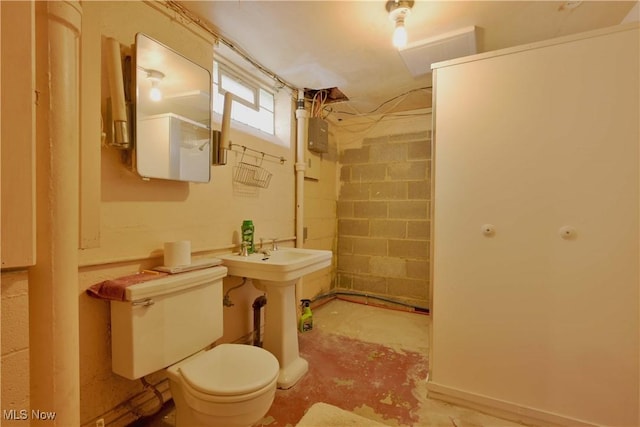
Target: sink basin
{"points": [[285, 264]]}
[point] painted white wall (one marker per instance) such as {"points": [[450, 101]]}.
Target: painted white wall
{"points": [[124, 220], [136, 217], [530, 140]]}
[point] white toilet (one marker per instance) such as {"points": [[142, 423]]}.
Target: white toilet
{"points": [[166, 323]]}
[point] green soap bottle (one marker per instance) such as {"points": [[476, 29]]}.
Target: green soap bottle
{"points": [[247, 235], [306, 318]]}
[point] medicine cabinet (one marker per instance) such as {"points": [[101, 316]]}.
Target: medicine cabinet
{"points": [[172, 114]]}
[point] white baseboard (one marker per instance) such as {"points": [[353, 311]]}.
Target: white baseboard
{"points": [[501, 408]]}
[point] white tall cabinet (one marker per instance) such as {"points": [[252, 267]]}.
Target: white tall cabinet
{"points": [[536, 258]]}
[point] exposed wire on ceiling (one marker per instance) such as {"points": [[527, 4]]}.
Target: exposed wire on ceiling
{"points": [[318, 103], [374, 118], [400, 98], [360, 128]]}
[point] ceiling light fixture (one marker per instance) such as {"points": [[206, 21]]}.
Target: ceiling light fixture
{"points": [[155, 77], [398, 11]]}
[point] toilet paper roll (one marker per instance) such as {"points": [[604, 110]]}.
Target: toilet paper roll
{"points": [[177, 253]]}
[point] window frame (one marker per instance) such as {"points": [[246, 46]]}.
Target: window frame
{"points": [[223, 67]]}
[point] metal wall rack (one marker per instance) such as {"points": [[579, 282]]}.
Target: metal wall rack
{"points": [[281, 159], [253, 175]]}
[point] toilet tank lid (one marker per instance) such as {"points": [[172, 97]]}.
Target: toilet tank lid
{"points": [[174, 283], [230, 370]]}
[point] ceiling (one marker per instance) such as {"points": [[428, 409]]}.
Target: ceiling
{"points": [[347, 44]]}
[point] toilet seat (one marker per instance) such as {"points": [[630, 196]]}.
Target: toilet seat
{"points": [[228, 371]]}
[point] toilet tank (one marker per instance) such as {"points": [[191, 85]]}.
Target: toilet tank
{"points": [[165, 320]]}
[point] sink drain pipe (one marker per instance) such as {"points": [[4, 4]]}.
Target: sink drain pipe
{"points": [[258, 303], [302, 117]]}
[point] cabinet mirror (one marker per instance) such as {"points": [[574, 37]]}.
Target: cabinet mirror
{"points": [[172, 114]]}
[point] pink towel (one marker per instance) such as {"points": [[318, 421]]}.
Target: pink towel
{"points": [[114, 289]]}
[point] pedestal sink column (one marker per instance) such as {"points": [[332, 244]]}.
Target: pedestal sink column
{"points": [[276, 274], [280, 331]]}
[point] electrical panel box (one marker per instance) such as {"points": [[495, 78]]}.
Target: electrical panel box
{"points": [[318, 135], [313, 165]]}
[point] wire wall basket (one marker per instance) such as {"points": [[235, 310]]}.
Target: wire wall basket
{"points": [[252, 175]]}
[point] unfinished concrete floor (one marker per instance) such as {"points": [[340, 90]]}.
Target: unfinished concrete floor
{"points": [[368, 360]]}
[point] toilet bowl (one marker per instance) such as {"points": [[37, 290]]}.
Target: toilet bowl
{"points": [[231, 385], [165, 324]]}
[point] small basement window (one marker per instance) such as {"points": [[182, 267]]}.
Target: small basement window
{"points": [[253, 104]]}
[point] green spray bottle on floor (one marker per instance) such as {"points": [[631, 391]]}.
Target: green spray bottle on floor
{"points": [[306, 318]]}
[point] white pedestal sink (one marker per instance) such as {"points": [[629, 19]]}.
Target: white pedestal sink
{"points": [[277, 273]]}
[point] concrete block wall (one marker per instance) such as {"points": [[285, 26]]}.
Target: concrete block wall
{"points": [[15, 348], [383, 217]]}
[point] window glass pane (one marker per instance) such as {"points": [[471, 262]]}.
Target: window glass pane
{"points": [[244, 114], [266, 100], [266, 121], [218, 100], [238, 88], [262, 117]]}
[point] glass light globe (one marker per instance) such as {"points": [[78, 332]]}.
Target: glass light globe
{"points": [[400, 36], [155, 94]]}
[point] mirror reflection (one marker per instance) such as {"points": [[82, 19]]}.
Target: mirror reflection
{"points": [[173, 114]]}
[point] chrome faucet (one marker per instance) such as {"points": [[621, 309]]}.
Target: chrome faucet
{"points": [[274, 246], [244, 248], [262, 249]]}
